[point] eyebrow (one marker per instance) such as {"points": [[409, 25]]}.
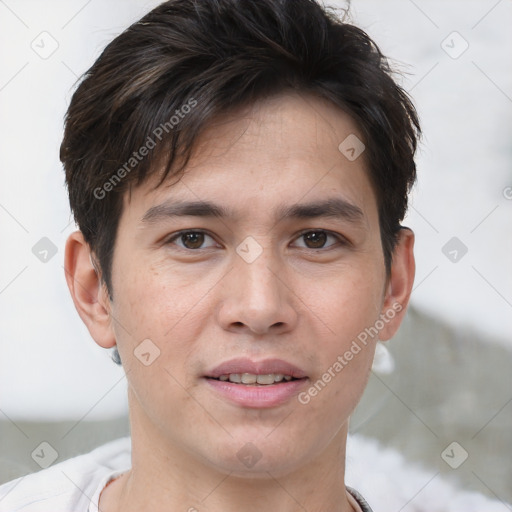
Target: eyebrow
{"points": [[334, 208]]}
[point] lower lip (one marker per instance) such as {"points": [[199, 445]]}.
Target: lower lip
{"points": [[270, 395]]}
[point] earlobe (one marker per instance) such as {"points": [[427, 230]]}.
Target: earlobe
{"points": [[400, 284], [88, 292]]}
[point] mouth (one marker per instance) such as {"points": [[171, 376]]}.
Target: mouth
{"points": [[252, 379], [256, 384]]}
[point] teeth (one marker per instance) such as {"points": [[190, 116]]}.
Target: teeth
{"points": [[265, 379], [251, 378]]}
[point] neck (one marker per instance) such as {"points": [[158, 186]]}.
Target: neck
{"points": [[164, 477]]}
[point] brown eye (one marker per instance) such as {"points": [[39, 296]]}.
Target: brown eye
{"points": [[315, 239], [191, 240]]}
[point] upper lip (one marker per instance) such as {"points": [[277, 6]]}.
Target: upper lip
{"points": [[264, 367]]}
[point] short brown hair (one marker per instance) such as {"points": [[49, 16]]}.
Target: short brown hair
{"points": [[188, 61]]}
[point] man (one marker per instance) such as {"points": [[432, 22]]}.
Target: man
{"points": [[238, 170]]}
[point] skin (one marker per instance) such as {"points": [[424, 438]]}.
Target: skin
{"points": [[204, 306]]}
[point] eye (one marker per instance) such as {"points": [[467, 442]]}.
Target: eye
{"points": [[316, 239], [191, 240]]}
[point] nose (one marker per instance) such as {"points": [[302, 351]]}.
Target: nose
{"points": [[257, 299]]}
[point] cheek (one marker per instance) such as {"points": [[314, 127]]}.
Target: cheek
{"points": [[165, 306], [161, 315], [344, 311], [347, 302], [157, 297]]}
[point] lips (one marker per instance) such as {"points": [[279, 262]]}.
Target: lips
{"points": [[256, 384], [258, 380], [246, 366]]}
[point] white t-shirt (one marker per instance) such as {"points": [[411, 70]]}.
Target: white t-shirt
{"points": [[381, 474], [73, 485]]}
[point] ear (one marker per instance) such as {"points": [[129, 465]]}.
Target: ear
{"points": [[88, 291], [399, 285]]}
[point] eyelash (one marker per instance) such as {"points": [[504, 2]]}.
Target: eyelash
{"points": [[341, 239]]}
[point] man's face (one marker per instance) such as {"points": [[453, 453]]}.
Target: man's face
{"points": [[254, 289]]}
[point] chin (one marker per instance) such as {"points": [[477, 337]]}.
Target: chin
{"points": [[244, 458]]}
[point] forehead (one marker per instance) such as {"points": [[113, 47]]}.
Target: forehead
{"points": [[288, 127], [281, 150]]}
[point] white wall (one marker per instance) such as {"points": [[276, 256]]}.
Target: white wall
{"points": [[49, 366], [465, 179]]}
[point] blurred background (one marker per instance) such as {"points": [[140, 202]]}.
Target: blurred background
{"points": [[441, 392]]}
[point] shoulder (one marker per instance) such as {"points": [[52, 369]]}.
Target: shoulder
{"points": [[388, 481], [69, 486]]}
